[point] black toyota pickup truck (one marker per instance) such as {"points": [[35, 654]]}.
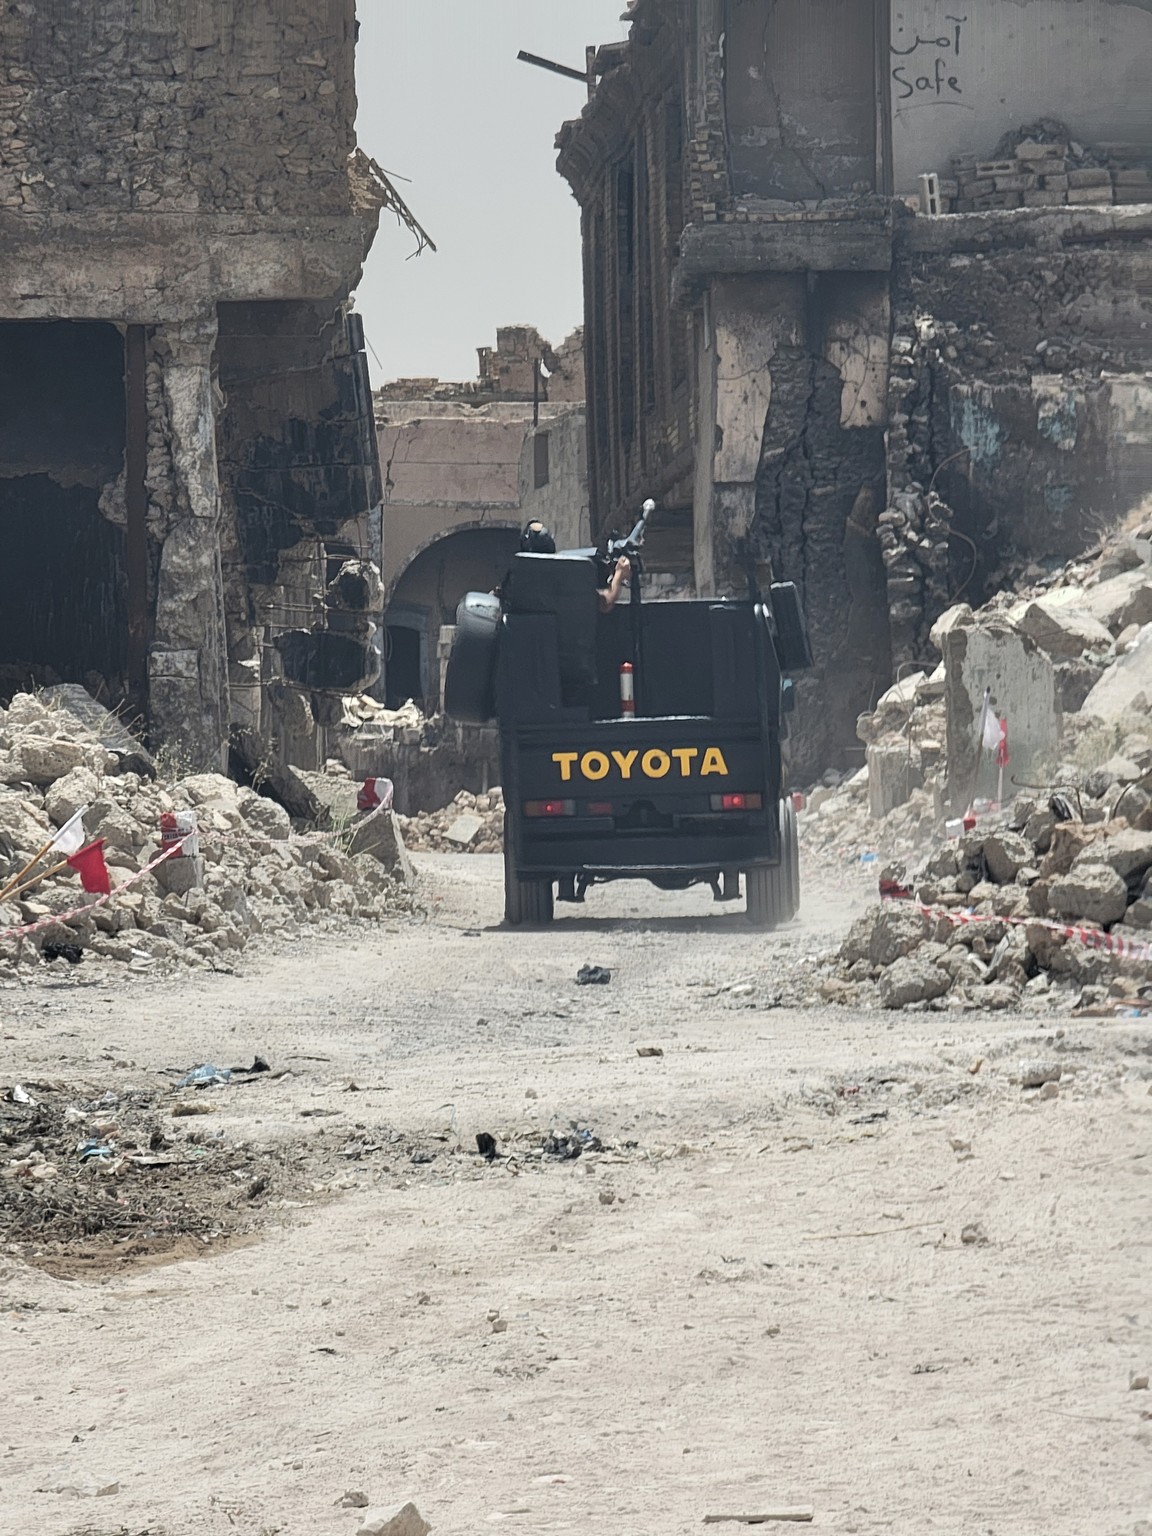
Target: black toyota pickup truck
{"points": [[639, 743]]}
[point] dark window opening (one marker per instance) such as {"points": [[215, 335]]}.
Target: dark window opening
{"points": [[403, 667], [63, 600], [540, 455]]}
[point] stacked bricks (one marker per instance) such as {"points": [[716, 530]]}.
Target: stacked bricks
{"points": [[1044, 175]]}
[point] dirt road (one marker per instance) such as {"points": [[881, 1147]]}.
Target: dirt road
{"points": [[829, 1260]]}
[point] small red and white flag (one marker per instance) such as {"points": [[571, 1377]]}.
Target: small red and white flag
{"points": [[70, 838], [90, 866], [992, 730], [1002, 758]]}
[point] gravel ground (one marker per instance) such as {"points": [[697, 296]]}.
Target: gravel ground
{"points": [[825, 1258]]}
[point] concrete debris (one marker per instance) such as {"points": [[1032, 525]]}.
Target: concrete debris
{"points": [[405, 1522], [255, 874], [471, 824], [1050, 653], [1075, 849]]}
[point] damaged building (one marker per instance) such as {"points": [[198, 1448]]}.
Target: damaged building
{"points": [[868, 300], [187, 454], [464, 467]]}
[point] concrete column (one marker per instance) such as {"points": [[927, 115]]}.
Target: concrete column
{"points": [[188, 680]]}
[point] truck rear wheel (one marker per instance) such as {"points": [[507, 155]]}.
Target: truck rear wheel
{"points": [[527, 903], [773, 895], [790, 854], [762, 897]]}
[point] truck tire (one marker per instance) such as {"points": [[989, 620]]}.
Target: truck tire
{"points": [[470, 680], [527, 903], [790, 855], [763, 897], [773, 895]]}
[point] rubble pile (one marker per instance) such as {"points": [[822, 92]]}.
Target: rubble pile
{"points": [[1016, 887], [1071, 843], [471, 824], [1085, 628], [254, 873]]}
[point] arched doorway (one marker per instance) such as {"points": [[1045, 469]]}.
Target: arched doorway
{"points": [[424, 598]]}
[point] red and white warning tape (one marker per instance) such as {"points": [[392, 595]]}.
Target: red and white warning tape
{"points": [[62, 917], [1093, 938]]}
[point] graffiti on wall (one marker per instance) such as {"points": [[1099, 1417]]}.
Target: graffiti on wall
{"points": [[928, 70]]}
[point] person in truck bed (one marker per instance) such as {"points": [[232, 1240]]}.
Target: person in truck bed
{"points": [[537, 540]]}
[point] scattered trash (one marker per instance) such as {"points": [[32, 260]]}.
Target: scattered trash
{"points": [[486, 1145], [89, 1150], [649, 1050], [18, 1094], [593, 976], [258, 1065], [70, 952], [565, 1148], [205, 1076]]}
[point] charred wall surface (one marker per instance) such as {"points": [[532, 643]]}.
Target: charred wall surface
{"points": [[184, 171]]}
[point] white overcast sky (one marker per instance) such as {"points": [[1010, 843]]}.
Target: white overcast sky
{"points": [[444, 102]]}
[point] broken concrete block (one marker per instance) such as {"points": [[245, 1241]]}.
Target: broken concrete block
{"points": [[130, 756], [379, 834], [265, 816], [44, 759], [64, 798], [1063, 633], [1006, 854], [1122, 600], [1127, 684], [406, 1522], [885, 933], [1094, 892], [1075, 680], [952, 618], [894, 771], [911, 979], [1128, 852], [993, 656], [177, 876], [465, 830]]}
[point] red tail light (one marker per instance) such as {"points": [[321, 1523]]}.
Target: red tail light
{"points": [[537, 808], [600, 808], [737, 802]]}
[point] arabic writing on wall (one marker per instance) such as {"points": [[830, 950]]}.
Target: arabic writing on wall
{"points": [[928, 72]]}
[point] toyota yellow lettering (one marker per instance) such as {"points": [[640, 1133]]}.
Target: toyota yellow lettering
{"points": [[676, 762]]}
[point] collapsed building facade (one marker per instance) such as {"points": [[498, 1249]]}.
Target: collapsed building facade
{"points": [[464, 467], [868, 301], [187, 454]]}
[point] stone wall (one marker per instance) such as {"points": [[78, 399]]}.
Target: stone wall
{"points": [[219, 106]]}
